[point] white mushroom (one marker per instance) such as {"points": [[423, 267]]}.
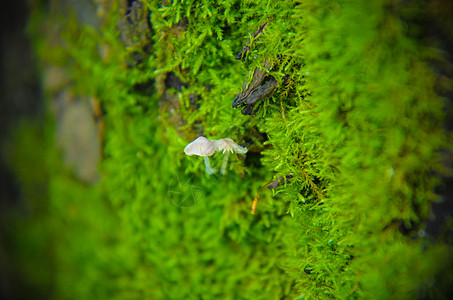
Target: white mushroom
{"points": [[227, 145], [202, 147]]}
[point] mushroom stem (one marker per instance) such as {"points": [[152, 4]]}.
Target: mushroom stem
{"points": [[209, 170], [225, 162]]}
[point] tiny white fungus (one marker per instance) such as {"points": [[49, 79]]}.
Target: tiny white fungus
{"points": [[227, 145], [202, 147]]}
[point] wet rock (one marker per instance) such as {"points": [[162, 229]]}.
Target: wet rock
{"points": [[78, 135]]}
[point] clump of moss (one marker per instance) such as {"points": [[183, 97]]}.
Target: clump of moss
{"points": [[355, 120]]}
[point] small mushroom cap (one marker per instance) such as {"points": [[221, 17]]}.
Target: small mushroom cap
{"points": [[240, 150], [201, 147], [228, 144], [225, 144]]}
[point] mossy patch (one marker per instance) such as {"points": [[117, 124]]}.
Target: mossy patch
{"points": [[355, 120]]}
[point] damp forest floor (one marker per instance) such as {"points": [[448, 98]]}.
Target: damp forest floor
{"points": [[351, 129]]}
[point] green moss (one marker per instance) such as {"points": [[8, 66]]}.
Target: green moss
{"points": [[358, 125]]}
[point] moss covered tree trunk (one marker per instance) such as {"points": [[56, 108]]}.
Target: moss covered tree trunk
{"points": [[348, 112]]}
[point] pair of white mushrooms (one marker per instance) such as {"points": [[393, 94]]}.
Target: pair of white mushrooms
{"points": [[204, 147]]}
